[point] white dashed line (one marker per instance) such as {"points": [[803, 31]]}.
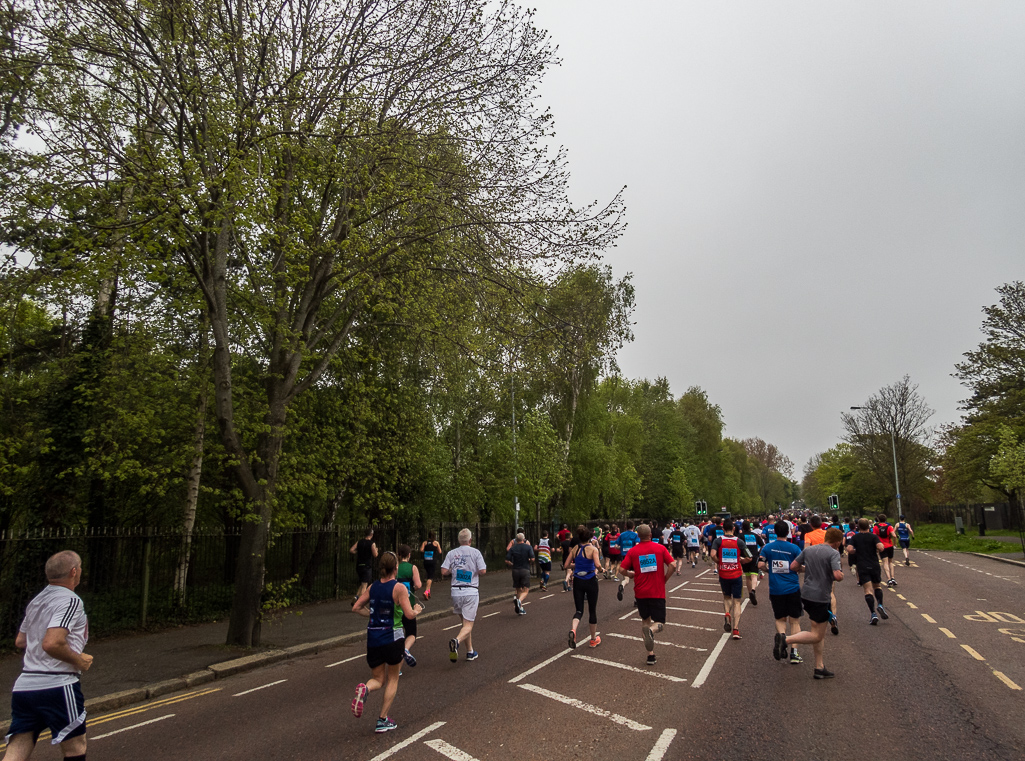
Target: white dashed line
{"points": [[408, 741], [261, 687], [615, 717], [624, 667]]}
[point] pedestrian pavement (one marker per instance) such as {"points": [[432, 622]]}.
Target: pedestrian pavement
{"points": [[127, 664]]}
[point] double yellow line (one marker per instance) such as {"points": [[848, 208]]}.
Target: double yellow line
{"points": [[137, 710]]}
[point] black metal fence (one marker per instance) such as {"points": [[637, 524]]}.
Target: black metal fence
{"points": [[151, 578]]}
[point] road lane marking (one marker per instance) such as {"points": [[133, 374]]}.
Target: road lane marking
{"points": [[630, 723], [150, 706], [660, 642], [660, 748], [692, 610], [489, 615], [339, 663], [450, 628], [261, 687], [623, 666], [695, 590], [703, 573], [912, 606], [408, 741], [627, 615], [144, 723], [948, 633], [928, 618], [547, 596], [1003, 678], [692, 599], [678, 586], [673, 623], [973, 653], [901, 596], [539, 666], [706, 669], [449, 751]]}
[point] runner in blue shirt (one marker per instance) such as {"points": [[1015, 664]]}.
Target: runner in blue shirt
{"points": [[784, 589], [627, 539], [905, 535]]}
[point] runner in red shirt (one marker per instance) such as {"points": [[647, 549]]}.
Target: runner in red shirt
{"points": [[650, 565], [885, 532], [565, 537], [728, 552]]}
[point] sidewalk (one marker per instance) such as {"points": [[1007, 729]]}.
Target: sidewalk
{"points": [[129, 664]]}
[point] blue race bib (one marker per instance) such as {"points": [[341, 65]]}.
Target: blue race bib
{"points": [[429, 555], [648, 563], [464, 576], [729, 554]]}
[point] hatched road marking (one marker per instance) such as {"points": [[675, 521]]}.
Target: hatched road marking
{"points": [[623, 666], [662, 745], [449, 751], [615, 717], [408, 741], [660, 642]]}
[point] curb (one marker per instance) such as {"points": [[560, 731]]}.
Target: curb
{"points": [[115, 700], [994, 557]]}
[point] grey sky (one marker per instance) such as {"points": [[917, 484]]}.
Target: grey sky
{"points": [[822, 196]]}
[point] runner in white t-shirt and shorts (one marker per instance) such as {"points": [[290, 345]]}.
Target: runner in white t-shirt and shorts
{"points": [[465, 565]]}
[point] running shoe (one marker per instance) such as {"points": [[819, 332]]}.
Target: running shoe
{"points": [[453, 650], [516, 605], [736, 634], [779, 646], [882, 612], [385, 725], [357, 702], [572, 640], [834, 627], [472, 655], [907, 562], [410, 660], [751, 596], [619, 593], [649, 637], [594, 642], [874, 621], [427, 595], [824, 674], [795, 657], [651, 659], [727, 625], [544, 588]]}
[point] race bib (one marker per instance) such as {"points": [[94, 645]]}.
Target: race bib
{"points": [[771, 535], [720, 532], [729, 554], [464, 576], [429, 555], [647, 563], [750, 539], [780, 566]]}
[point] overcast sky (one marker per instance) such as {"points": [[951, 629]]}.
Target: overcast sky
{"points": [[821, 198]]}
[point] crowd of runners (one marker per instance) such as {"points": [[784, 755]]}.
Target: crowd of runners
{"points": [[645, 557]]}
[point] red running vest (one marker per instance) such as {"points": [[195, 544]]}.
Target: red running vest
{"points": [[729, 559]]}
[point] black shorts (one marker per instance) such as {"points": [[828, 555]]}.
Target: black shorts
{"points": [[817, 611], [886, 553], [390, 654], [870, 574], [428, 570], [786, 606], [653, 608], [677, 551], [365, 574], [732, 587], [693, 548], [520, 578], [544, 565], [409, 626]]}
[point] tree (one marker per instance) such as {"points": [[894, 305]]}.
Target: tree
{"points": [[539, 461], [303, 164], [770, 464], [891, 425]]}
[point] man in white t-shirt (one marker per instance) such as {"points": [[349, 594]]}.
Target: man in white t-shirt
{"points": [[465, 565], [693, 536], [47, 694]]}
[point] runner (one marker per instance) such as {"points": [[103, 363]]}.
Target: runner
{"points": [[365, 551], [866, 548], [585, 562], [885, 532], [776, 558], [817, 535], [465, 565], [606, 547], [651, 566], [693, 534], [409, 576], [676, 542], [615, 553], [821, 566], [905, 534], [728, 553], [751, 573], [565, 537], [544, 560], [627, 541], [385, 603], [47, 693], [518, 558], [431, 553]]}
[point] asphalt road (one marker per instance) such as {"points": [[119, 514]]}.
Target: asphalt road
{"points": [[941, 679]]}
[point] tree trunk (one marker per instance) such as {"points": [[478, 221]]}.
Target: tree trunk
{"points": [[192, 485]]}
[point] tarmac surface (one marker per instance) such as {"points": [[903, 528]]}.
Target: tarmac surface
{"points": [[941, 678]]}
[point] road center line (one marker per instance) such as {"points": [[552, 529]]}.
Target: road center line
{"points": [[144, 723], [339, 663], [449, 751], [539, 666], [630, 723], [408, 741], [489, 615], [450, 628], [973, 653], [912, 606], [660, 642], [710, 660], [547, 596], [662, 745], [948, 633], [1003, 678], [262, 687], [623, 666], [928, 618]]}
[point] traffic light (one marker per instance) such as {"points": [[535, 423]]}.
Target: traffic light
{"points": [[834, 502], [701, 507]]}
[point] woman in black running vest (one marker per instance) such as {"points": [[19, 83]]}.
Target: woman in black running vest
{"points": [[431, 553]]}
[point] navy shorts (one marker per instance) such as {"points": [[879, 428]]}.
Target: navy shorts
{"points": [[905, 543], [59, 709], [391, 654], [732, 587]]}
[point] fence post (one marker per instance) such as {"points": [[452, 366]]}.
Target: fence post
{"points": [[146, 551], [338, 547]]}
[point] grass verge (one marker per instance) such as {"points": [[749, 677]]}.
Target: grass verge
{"points": [[942, 536]]}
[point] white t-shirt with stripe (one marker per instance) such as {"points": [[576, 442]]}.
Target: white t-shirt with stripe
{"points": [[54, 607]]}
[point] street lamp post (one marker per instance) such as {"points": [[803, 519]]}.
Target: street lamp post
{"points": [[896, 478]]}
